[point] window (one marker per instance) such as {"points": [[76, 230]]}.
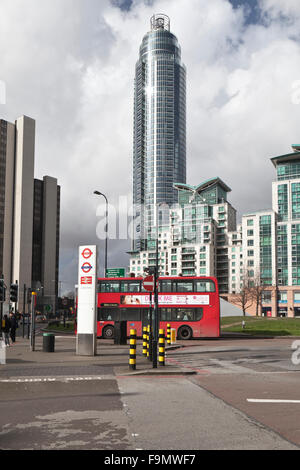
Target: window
{"points": [[166, 286], [282, 297], [181, 286], [108, 314], [165, 314], [297, 297], [109, 287], [249, 222], [187, 314], [266, 297], [204, 286], [131, 314], [130, 286]]}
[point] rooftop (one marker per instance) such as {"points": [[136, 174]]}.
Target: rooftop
{"points": [[202, 186], [289, 157]]}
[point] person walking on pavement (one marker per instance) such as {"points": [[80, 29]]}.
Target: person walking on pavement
{"points": [[13, 327], [5, 329]]}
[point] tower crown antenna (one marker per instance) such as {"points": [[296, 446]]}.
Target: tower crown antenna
{"points": [[160, 22]]}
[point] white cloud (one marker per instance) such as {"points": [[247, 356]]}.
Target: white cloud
{"points": [[70, 65], [280, 8]]}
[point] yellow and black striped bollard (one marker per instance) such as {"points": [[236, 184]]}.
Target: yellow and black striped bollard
{"points": [[132, 351], [145, 341], [161, 348], [169, 335], [148, 336]]}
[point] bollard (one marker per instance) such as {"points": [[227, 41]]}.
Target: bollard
{"points": [[169, 334], [148, 341], [132, 351], [173, 336], [145, 341], [161, 348], [48, 342], [150, 345]]}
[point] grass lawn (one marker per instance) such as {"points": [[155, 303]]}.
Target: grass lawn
{"points": [[69, 328], [262, 326]]}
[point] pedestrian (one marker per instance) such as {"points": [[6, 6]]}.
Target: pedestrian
{"points": [[13, 327], [5, 329]]}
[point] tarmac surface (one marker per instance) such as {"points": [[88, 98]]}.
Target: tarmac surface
{"points": [[198, 400]]}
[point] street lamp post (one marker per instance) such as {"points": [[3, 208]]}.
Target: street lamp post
{"points": [[106, 230]]}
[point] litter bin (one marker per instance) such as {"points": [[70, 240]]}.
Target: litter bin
{"points": [[48, 342], [120, 332]]}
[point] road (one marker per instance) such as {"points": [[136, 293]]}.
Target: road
{"points": [[62, 401], [256, 377]]}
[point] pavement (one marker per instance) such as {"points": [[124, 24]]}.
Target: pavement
{"points": [[63, 401], [111, 359]]}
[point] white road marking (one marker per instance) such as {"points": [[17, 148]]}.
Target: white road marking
{"points": [[259, 400], [50, 379]]}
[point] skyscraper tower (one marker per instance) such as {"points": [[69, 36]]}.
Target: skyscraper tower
{"points": [[159, 156]]}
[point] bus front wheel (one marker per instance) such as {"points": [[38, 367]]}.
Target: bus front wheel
{"points": [[108, 332], [185, 332]]}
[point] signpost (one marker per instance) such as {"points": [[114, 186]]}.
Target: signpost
{"points": [[33, 305], [116, 272], [86, 341], [150, 283]]}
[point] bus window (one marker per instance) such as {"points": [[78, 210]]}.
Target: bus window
{"points": [[183, 286], [134, 287], [204, 285], [109, 287], [165, 314], [108, 314], [130, 286], [198, 314], [165, 286], [131, 314], [145, 315], [183, 314]]}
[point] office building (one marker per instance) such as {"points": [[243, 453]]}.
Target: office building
{"points": [[17, 169], [159, 151], [45, 249], [18, 192]]}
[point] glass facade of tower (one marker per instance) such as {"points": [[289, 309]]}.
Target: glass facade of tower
{"points": [[159, 157]]}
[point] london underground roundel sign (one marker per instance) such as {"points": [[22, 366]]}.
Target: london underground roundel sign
{"points": [[86, 268], [87, 253]]}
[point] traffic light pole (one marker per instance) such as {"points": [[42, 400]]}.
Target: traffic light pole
{"points": [[1, 318], [33, 321], [156, 311], [2, 287], [24, 303]]}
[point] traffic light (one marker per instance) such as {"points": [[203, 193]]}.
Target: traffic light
{"points": [[2, 291], [14, 292], [29, 295]]}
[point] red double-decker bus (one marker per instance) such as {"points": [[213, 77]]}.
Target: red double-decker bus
{"points": [[191, 305]]}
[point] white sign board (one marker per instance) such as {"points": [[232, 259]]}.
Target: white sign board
{"points": [[171, 299], [87, 305]]}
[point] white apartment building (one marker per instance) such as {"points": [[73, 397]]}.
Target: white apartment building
{"points": [[202, 238], [194, 241]]}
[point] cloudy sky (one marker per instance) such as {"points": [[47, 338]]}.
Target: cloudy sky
{"points": [[70, 64]]}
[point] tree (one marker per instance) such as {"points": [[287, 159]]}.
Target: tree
{"points": [[244, 298], [257, 289]]}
